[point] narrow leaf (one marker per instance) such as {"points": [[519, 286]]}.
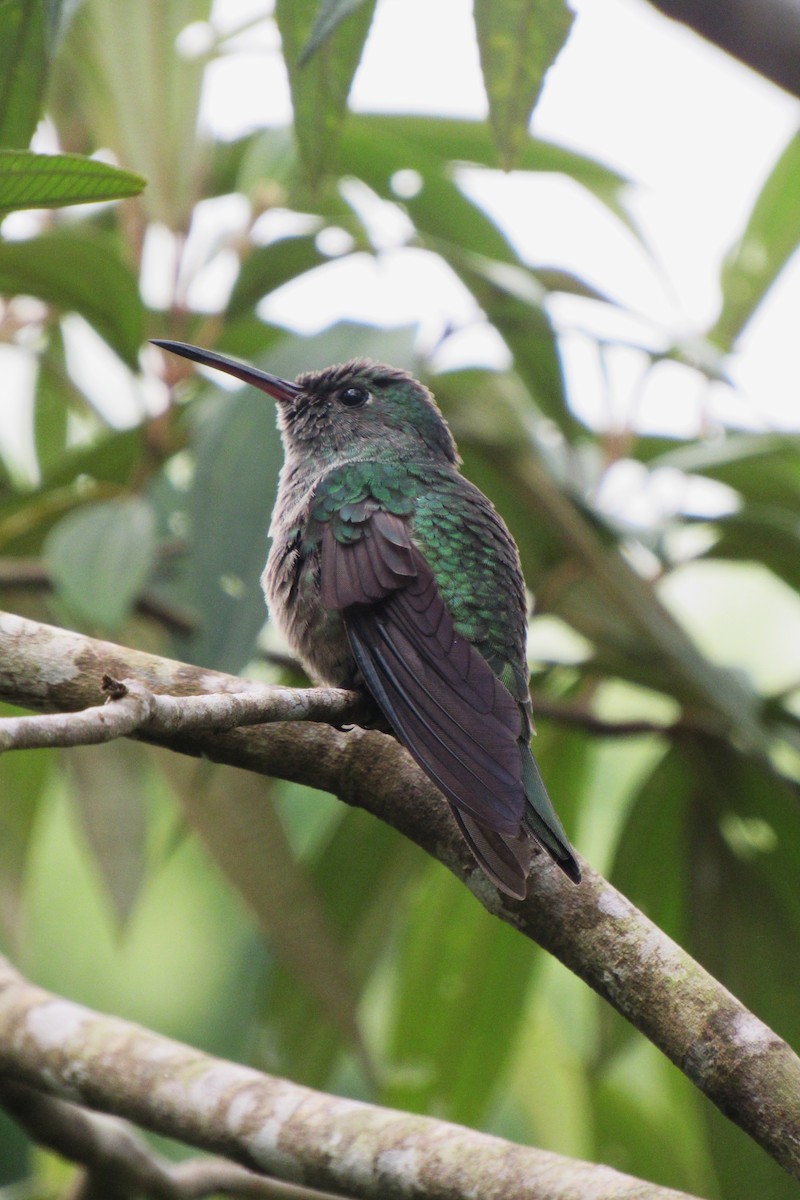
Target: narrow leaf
{"points": [[518, 40], [30, 180], [769, 239], [765, 534], [234, 813], [23, 68], [331, 13], [362, 873], [51, 410], [267, 267], [110, 799], [763, 468], [459, 996], [23, 776], [321, 86]]}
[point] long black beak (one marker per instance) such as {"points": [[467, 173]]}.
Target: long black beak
{"points": [[280, 389]]}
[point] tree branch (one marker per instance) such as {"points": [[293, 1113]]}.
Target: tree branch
{"points": [[763, 34], [120, 1164], [131, 708], [271, 1125], [741, 1065]]}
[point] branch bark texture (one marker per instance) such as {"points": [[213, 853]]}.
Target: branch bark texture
{"points": [[119, 1165], [750, 1073], [272, 1125]]}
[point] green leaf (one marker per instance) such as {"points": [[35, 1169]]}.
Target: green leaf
{"points": [[770, 236], [744, 910], [24, 55], [30, 180], [374, 147], [518, 41], [512, 299], [556, 279], [267, 267], [345, 339], [459, 997], [23, 776], [656, 883], [100, 557], [650, 1120], [122, 82], [362, 872], [81, 271], [111, 460], [320, 87], [51, 410], [331, 13], [110, 798], [86, 472], [762, 534], [763, 468], [238, 456], [248, 842]]}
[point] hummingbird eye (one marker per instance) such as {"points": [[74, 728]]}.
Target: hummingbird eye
{"points": [[354, 396]]}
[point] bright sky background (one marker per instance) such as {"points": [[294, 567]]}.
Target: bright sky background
{"points": [[694, 130]]}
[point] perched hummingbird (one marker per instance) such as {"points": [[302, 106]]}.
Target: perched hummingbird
{"points": [[390, 571]]}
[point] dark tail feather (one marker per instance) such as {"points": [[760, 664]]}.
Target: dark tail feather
{"points": [[505, 859], [542, 820]]}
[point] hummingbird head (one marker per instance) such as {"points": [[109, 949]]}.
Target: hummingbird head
{"points": [[347, 410]]}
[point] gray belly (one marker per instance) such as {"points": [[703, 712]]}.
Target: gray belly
{"points": [[315, 635]]}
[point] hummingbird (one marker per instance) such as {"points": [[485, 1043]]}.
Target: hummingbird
{"points": [[390, 572]]}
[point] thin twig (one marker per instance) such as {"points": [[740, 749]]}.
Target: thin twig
{"points": [[131, 707]]}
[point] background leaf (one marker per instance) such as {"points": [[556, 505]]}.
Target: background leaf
{"points": [[113, 53], [23, 779], [100, 557], [55, 180], [321, 85], [461, 993], [768, 239], [235, 814], [25, 37], [79, 271], [110, 798], [518, 41], [331, 14]]}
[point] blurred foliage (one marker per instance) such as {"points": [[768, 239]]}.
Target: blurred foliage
{"points": [[264, 921]]}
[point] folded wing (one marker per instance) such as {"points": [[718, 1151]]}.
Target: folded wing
{"points": [[442, 698]]}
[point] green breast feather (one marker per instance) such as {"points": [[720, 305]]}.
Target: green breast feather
{"points": [[466, 544]]}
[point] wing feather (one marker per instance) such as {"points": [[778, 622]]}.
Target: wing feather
{"points": [[506, 860], [441, 696]]}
